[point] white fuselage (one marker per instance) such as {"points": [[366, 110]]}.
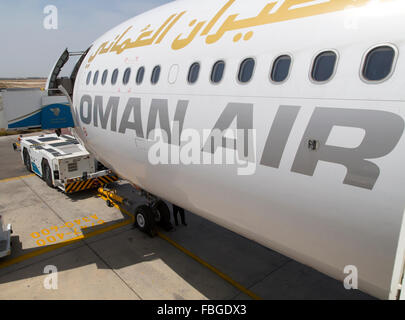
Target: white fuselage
{"points": [[329, 217]]}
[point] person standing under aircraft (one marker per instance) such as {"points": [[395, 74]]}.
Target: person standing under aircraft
{"points": [[180, 210]]}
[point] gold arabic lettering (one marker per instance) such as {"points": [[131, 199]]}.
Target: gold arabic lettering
{"points": [[273, 11]]}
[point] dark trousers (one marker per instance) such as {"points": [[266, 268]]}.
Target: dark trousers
{"points": [[176, 210]]}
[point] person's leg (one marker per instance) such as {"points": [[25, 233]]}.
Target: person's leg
{"points": [[175, 210], [182, 216]]}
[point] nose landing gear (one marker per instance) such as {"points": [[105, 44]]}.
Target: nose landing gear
{"points": [[147, 216], [162, 215], [144, 220]]}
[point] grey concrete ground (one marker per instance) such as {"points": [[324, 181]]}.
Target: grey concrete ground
{"points": [[124, 263], [9, 166]]}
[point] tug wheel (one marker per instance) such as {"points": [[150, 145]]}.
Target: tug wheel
{"points": [[27, 160], [47, 174]]}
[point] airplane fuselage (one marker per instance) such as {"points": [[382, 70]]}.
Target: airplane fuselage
{"points": [[323, 183]]}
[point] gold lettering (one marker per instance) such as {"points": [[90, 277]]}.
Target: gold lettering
{"points": [[181, 43]]}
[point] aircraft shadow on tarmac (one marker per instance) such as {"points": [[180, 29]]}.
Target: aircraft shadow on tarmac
{"points": [[245, 261]]}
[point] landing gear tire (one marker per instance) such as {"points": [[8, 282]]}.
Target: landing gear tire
{"points": [[47, 174], [27, 160], [144, 220], [162, 215]]}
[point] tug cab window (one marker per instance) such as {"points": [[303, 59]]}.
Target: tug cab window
{"points": [[379, 63], [217, 71], [324, 66], [246, 70], [281, 68], [114, 77], [193, 73], [155, 75], [139, 75]]}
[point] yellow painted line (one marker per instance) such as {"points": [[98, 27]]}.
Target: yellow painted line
{"points": [[196, 258], [47, 249], [16, 178], [212, 268]]}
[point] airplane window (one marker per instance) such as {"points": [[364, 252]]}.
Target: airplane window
{"points": [[95, 78], [217, 71], [88, 77], [127, 75], [173, 73], [193, 73], [114, 77], [139, 75], [378, 63], [324, 66], [155, 75], [246, 70], [281, 68], [104, 77]]}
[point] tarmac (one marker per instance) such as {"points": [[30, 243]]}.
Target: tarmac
{"points": [[98, 254]]}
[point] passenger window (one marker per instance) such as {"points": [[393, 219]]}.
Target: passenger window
{"points": [[114, 77], [155, 75], [193, 73], [324, 66], [217, 71], [104, 77], [246, 70], [173, 73], [139, 75], [88, 78], [281, 68], [378, 63], [95, 78], [127, 75]]}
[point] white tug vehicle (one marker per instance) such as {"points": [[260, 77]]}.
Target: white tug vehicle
{"points": [[62, 162]]}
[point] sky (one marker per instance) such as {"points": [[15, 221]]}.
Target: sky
{"points": [[27, 49]]}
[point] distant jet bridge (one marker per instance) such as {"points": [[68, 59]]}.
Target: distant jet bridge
{"points": [[45, 108]]}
